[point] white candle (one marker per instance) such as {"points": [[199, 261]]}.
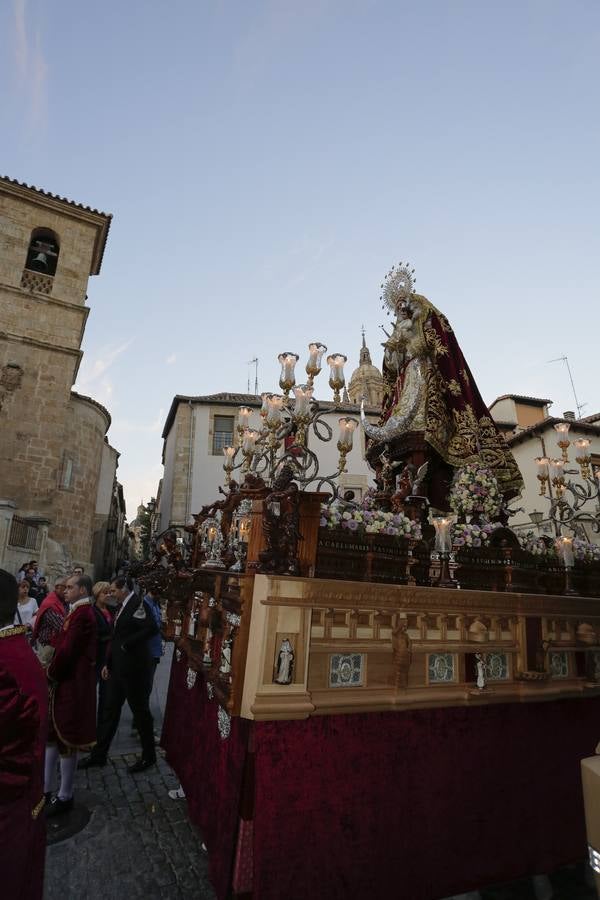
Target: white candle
{"points": [[315, 355], [347, 427], [248, 441], [303, 397], [336, 375], [244, 416], [275, 404], [288, 361], [443, 538]]}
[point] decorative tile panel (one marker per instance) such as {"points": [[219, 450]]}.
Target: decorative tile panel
{"points": [[441, 667], [346, 669], [496, 667], [559, 664]]}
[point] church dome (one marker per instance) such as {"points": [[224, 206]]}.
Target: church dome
{"points": [[366, 382]]}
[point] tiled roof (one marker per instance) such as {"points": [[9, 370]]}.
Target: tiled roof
{"points": [[44, 193], [94, 403], [229, 399], [106, 217], [520, 398], [526, 433]]}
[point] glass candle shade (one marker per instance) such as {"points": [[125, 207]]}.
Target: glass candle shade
{"points": [[347, 428], [244, 531], [556, 467], [542, 465], [264, 409], [564, 547], [275, 405], [244, 416], [315, 355], [562, 429], [228, 453], [303, 395], [336, 362], [582, 445], [288, 361], [249, 438], [443, 536]]}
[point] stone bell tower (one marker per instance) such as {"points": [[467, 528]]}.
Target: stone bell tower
{"points": [[51, 444]]}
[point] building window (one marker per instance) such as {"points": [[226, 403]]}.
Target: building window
{"points": [[222, 433], [66, 475], [23, 534], [43, 251]]}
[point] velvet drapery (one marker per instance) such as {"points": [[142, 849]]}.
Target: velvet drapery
{"points": [[417, 804]]}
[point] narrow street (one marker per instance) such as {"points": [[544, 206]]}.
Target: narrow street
{"points": [[126, 837]]}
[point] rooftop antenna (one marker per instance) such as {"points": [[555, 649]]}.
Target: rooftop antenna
{"points": [[253, 362], [566, 362]]}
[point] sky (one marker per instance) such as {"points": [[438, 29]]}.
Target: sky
{"points": [[266, 163]]}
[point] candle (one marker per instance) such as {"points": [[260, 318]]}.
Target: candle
{"points": [[265, 404], [228, 453], [542, 464], [303, 397], [315, 355], [347, 427], [443, 538], [564, 546], [244, 416], [288, 361], [275, 404], [248, 441], [336, 375], [562, 428]]}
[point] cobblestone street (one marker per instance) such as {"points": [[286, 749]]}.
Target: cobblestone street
{"points": [[137, 841]]}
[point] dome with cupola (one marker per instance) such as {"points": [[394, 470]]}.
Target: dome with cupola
{"points": [[366, 382]]}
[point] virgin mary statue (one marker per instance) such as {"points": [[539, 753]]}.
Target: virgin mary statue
{"points": [[432, 410]]}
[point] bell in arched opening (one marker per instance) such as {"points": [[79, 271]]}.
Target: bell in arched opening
{"points": [[42, 255]]}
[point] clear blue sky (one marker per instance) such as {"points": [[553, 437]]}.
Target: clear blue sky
{"points": [[267, 162]]}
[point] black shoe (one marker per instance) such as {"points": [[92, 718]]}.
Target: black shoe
{"points": [[141, 765], [57, 807], [90, 761], [47, 797]]}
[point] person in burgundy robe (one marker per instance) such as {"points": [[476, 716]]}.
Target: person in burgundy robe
{"points": [[23, 730], [49, 621], [72, 674]]}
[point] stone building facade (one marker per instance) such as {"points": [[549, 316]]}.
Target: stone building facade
{"points": [[53, 439], [197, 429]]}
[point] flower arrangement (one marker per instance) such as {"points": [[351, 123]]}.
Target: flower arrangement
{"points": [[369, 521], [475, 490], [471, 535], [585, 550], [536, 545]]}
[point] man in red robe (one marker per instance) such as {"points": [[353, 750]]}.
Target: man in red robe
{"points": [[23, 728], [72, 674], [49, 621]]}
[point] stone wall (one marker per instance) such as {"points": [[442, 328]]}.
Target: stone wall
{"points": [[184, 443]]}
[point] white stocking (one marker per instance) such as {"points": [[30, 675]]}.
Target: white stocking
{"points": [[68, 766], [50, 764]]}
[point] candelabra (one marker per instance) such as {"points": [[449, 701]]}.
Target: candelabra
{"points": [[569, 500], [286, 423]]}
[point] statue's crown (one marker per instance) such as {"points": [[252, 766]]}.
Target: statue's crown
{"points": [[398, 285]]}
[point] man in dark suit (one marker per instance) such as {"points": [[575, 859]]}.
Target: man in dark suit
{"points": [[127, 670]]}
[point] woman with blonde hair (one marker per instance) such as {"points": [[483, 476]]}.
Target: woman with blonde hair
{"points": [[102, 596]]}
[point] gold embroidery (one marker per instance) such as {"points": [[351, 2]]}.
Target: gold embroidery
{"points": [[445, 324], [10, 632], [37, 809], [433, 340], [454, 387], [464, 376]]}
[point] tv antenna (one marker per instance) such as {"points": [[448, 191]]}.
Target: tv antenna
{"points": [[253, 362], [566, 362]]}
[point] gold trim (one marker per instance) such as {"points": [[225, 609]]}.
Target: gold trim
{"points": [[10, 632], [38, 808]]}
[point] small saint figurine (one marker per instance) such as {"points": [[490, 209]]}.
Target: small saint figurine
{"points": [[284, 668], [225, 667], [480, 670]]}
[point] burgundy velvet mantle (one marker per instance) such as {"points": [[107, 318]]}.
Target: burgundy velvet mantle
{"points": [[417, 805]]}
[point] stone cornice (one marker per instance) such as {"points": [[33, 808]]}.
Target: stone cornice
{"points": [[318, 593], [45, 298], [44, 345]]}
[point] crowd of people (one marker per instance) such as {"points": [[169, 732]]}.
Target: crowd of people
{"points": [[69, 659]]}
